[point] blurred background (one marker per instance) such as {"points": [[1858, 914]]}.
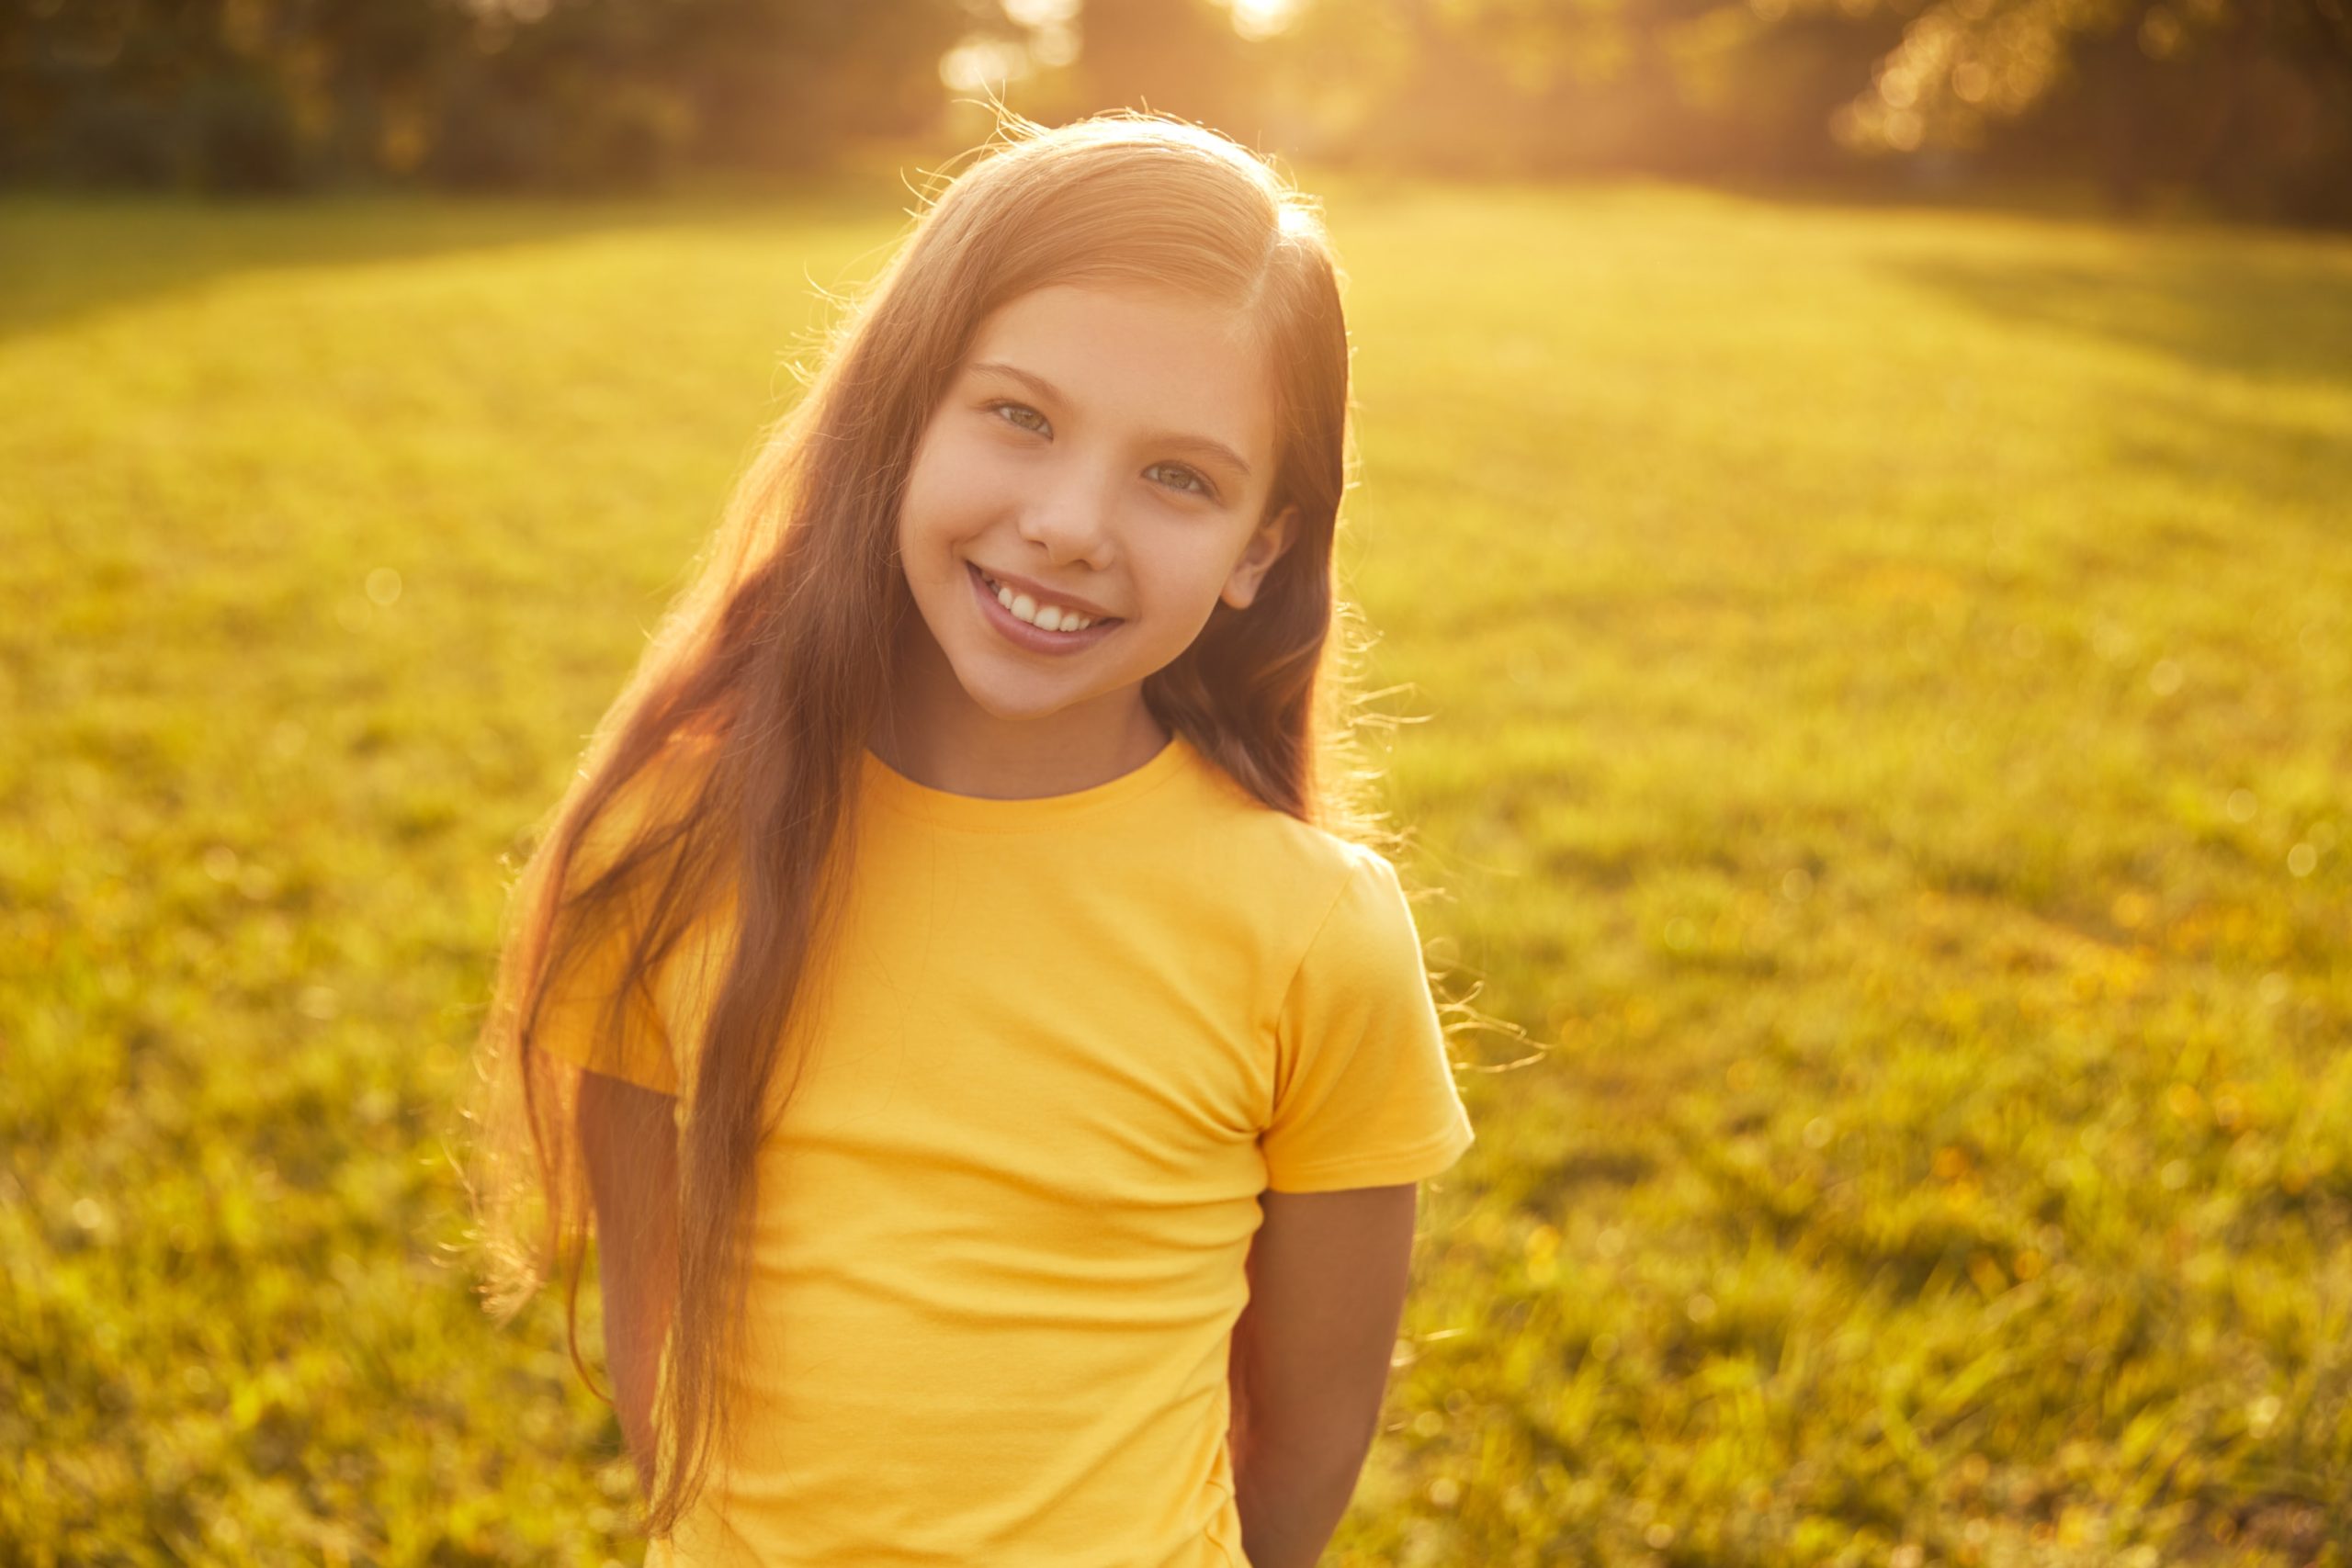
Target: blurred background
{"points": [[2246, 104], [1856, 501]]}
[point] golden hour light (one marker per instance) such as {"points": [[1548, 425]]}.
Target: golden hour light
{"points": [[1176, 784]]}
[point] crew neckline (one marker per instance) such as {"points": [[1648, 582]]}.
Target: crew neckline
{"points": [[1022, 814]]}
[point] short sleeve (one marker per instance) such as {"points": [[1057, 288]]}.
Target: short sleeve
{"points": [[572, 1019], [1364, 1093]]}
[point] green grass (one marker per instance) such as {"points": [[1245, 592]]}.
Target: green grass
{"points": [[1889, 680]]}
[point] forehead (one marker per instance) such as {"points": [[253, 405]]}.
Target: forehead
{"points": [[1142, 359]]}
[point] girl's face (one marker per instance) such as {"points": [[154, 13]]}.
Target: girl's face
{"points": [[1106, 454]]}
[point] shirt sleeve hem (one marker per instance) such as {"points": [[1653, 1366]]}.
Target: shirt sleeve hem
{"points": [[1394, 1168], [629, 1072]]}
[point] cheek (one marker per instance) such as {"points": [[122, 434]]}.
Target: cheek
{"points": [[949, 491], [1192, 577]]}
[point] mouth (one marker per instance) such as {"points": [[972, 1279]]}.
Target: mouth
{"points": [[1027, 634]]}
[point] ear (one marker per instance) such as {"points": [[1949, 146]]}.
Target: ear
{"points": [[1266, 546]]}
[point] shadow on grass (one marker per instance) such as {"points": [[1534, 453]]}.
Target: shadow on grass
{"points": [[2242, 305], [69, 256], [2233, 312]]}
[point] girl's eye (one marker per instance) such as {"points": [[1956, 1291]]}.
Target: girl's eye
{"points": [[1195, 483], [1023, 407], [1199, 485]]}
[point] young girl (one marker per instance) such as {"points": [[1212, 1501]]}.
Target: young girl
{"points": [[1009, 1063]]}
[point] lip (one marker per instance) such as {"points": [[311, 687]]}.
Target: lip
{"points": [[1020, 633]]}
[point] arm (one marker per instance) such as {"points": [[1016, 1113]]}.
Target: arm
{"points": [[1309, 1369], [631, 1144]]}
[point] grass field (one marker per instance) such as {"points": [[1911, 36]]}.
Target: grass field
{"points": [[1888, 681]]}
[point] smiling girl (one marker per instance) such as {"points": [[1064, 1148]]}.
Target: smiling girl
{"points": [[961, 993]]}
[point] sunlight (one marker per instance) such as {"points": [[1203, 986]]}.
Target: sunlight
{"points": [[1262, 18]]}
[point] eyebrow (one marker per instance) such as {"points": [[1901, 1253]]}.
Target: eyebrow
{"points": [[1218, 449]]}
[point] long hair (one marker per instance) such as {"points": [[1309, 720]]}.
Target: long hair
{"points": [[727, 768]]}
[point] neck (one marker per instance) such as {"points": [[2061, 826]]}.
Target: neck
{"points": [[935, 735]]}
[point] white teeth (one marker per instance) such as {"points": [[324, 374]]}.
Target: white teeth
{"points": [[1049, 617]]}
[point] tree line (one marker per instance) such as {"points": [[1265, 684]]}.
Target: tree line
{"points": [[2247, 103]]}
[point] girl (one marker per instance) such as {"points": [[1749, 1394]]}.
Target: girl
{"points": [[1008, 1062]]}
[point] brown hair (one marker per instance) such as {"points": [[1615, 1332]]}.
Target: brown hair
{"points": [[772, 669]]}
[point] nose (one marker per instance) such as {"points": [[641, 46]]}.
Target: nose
{"points": [[1071, 516]]}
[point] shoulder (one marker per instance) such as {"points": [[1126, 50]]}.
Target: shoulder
{"points": [[650, 799], [1366, 936], [1306, 874]]}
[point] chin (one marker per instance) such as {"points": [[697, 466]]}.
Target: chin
{"points": [[1007, 701]]}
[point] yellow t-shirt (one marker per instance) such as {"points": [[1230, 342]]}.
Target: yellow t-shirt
{"points": [[1064, 1045]]}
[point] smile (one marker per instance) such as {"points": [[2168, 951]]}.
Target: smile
{"points": [[1027, 634]]}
